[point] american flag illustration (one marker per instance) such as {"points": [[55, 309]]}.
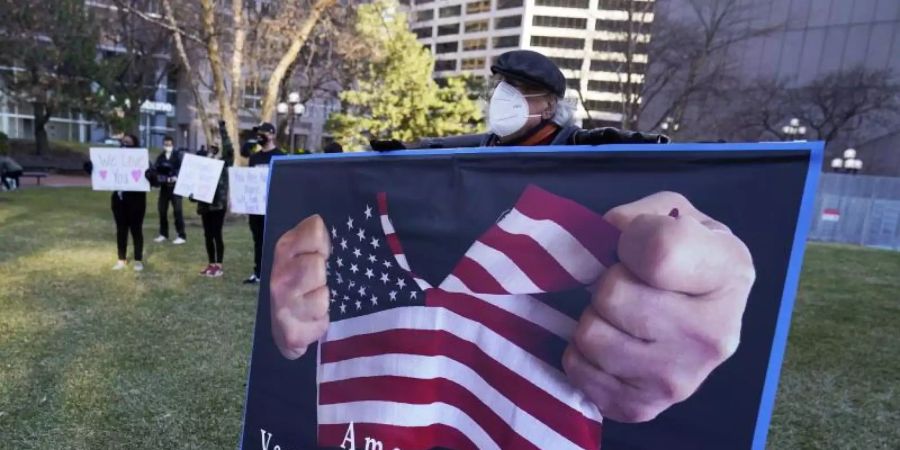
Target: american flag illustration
{"points": [[474, 361]]}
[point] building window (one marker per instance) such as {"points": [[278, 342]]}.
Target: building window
{"points": [[507, 4], [615, 66], [613, 25], [597, 105], [506, 41], [557, 42], [559, 22], [425, 14], [620, 46], [473, 64], [447, 47], [605, 86], [478, 7], [615, 5], [445, 64], [582, 4], [422, 2], [567, 63], [476, 26], [424, 32], [450, 11], [573, 83], [446, 30], [507, 22], [474, 44]]}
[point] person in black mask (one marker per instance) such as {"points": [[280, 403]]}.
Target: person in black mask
{"points": [[165, 172], [128, 210], [265, 139]]}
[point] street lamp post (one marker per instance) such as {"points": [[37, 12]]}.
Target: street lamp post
{"points": [[848, 164], [294, 108], [670, 123], [794, 131]]}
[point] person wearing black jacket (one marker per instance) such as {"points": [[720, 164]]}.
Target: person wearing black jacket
{"points": [[528, 108], [128, 210], [213, 214], [165, 174], [265, 138]]}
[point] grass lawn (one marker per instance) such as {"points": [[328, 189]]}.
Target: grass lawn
{"points": [[93, 359]]}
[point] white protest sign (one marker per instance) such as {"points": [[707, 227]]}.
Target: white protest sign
{"points": [[199, 177], [119, 169], [247, 189]]}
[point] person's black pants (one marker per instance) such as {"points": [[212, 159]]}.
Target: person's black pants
{"points": [[166, 196], [10, 177], [257, 226], [128, 211], [212, 232]]}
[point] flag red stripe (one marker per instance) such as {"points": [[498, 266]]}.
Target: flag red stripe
{"points": [[563, 418], [476, 278], [407, 438], [420, 392], [596, 234], [382, 203], [394, 244], [532, 338], [540, 267]]}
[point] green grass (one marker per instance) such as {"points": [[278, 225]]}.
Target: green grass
{"points": [[93, 359]]}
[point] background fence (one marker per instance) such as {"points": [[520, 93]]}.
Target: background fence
{"points": [[858, 209]]}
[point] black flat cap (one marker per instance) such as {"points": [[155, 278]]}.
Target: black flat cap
{"points": [[531, 67]]}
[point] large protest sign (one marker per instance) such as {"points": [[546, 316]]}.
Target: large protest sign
{"points": [[457, 280], [247, 189], [199, 177], [119, 169]]}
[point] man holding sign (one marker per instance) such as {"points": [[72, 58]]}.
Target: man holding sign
{"points": [[265, 135], [124, 172]]}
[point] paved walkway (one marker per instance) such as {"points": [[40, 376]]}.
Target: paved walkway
{"points": [[54, 180]]}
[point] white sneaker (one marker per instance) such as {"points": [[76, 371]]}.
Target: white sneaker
{"points": [[119, 265], [160, 238], [178, 241], [138, 266]]}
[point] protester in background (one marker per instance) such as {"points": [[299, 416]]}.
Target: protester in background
{"points": [[265, 137], [10, 171], [213, 214], [128, 210], [165, 173]]}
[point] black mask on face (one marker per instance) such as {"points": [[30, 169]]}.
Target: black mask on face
{"points": [[262, 139]]}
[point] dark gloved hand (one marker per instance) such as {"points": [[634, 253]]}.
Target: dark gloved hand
{"points": [[88, 167], [386, 145], [609, 135]]}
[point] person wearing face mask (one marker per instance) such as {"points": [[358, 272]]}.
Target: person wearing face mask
{"points": [[527, 108], [265, 139], [165, 171], [128, 210]]}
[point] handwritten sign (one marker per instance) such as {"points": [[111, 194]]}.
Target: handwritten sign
{"points": [[199, 178], [119, 169], [247, 188]]}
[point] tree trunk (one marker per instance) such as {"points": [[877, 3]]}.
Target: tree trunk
{"points": [[41, 117], [216, 66], [270, 98]]}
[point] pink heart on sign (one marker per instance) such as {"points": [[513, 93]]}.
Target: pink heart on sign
{"points": [[103, 174], [136, 174]]}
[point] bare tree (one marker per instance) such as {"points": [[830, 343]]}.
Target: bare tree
{"points": [[222, 35], [691, 59], [839, 105], [623, 44]]}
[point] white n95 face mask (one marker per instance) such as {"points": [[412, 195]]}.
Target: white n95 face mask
{"points": [[508, 111]]}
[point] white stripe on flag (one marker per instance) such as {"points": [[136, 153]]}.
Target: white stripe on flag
{"points": [[524, 306], [423, 285], [401, 260], [386, 225], [559, 243], [431, 367], [429, 318], [406, 415], [502, 268]]}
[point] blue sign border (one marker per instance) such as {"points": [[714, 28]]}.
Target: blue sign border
{"points": [[789, 292]]}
